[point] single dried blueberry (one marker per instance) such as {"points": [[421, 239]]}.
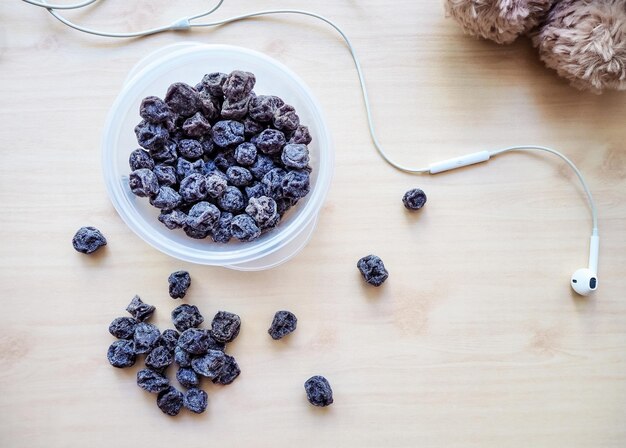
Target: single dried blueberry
{"points": [[285, 118], [179, 282], [159, 358], [182, 357], [236, 110], [165, 154], [264, 211], [87, 240], [284, 322], [227, 133], [182, 99], [170, 401], [184, 168], [194, 341], [166, 175], [210, 364], [216, 185], [295, 156], [214, 344], [414, 199], [239, 176], [296, 184], [169, 339], [251, 127], [229, 371], [151, 381], [123, 327], [261, 166], [373, 270], [166, 199], [195, 233], [140, 310], [224, 160], [203, 216], [143, 182], [256, 190], [245, 154], [195, 400], [238, 85], [244, 228], [146, 337], [301, 135], [213, 83], [193, 188], [210, 105], [273, 183], [221, 232], [154, 110], [151, 136], [262, 107], [196, 126], [318, 391], [186, 316], [225, 326], [173, 219], [121, 353], [270, 141], [187, 377], [190, 149], [231, 200], [140, 158]]}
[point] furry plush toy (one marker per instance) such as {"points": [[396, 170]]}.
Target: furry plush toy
{"points": [[583, 40]]}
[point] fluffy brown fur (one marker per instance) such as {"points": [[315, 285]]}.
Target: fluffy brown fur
{"points": [[585, 42], [499, 20]]}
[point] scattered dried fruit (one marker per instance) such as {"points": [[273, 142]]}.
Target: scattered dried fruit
{"points": [[170, 401], [179, 282], [318, 391], [225, 326], [152, 381], [284, 322], [414, 199], [373, 270], [87, 240]]}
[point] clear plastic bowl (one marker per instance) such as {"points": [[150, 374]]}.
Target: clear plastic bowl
{"points": [[188, 62]]}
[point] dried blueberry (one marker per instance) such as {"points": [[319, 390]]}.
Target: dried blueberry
{"points": [[203, 216], [209, 105], [295, 156], [165, 154], [194, 341], [169, 339], [190, 149], [196, 126], [221, 232], [154, 110], [213, 83], [140, 310], [151, 136], [244, 228], [245, 154], [87, 240], [179, 282], [173, 219], [270, 141], [143, 182], [256, 190], [123, 327], [284, 322], [373, 270], [140, 158], [285, 118], [238, 85], [261, 166], [186, 316], [166, 199], [151, 381], [182, 99], [184, 168], [182, 357], [273, 183], [236, 110], [251, 127], [210, 364], [414, 199], [146, 337], [284, 204], [170, 401], [262, 107], [229, 371], [121, 353], [195, 400], [193, 188], [318, 391], [227, 133], [187, 377], [216, 185], [159, 358], [239, 176], [166, 175], [225, 160], [231, 200], [296, 184], [264, 211], [301, 135], [194, 233], [225, 326]]}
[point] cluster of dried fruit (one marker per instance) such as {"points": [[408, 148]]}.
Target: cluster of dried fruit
{"points": [[218, 160], [197, 352]]}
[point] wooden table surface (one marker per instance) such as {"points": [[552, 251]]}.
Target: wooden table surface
{"points": [[474, 341]]}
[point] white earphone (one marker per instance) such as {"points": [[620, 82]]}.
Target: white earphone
{"points": [[583, 281]]}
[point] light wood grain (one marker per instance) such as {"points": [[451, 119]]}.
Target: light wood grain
{"points": [[475, 340]]}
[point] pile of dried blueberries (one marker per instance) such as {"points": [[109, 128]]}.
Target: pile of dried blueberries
{"points": [[197, 352], [218, 160]]}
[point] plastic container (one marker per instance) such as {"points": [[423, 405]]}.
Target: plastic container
{"points": [[188, 62]]}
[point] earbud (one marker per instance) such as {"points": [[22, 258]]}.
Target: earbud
{"points": [[585, 280]]}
